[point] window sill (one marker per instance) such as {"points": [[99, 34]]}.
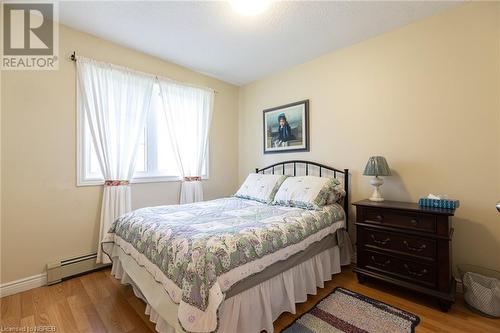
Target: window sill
{"points": [[139, 180]]}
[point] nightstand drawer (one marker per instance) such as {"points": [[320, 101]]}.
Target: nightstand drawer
{"points": [[419, 273], [405, 220], [400, 243]]}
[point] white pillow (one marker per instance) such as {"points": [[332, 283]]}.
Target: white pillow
{"points": [[260, 187], [308, 192]]}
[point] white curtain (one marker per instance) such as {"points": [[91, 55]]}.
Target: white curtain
{"points": [[188, 111], [116, 102]]}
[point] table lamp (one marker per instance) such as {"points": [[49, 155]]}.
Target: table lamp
{"points": [[377, 166]]}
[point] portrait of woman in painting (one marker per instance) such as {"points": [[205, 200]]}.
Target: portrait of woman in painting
{"points": [[284, 131]]}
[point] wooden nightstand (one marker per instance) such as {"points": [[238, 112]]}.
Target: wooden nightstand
{"points": [[406, 245]]}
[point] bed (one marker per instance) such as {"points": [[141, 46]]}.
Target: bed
{"points": [[204, 267]]}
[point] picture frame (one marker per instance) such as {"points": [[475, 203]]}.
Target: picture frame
{"points": [[286, 128]]}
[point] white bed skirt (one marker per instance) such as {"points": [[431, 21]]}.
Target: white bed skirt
{"points": [[251, 311]]}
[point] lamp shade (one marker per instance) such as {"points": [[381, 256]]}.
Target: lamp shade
{"points": [[377, 166]]}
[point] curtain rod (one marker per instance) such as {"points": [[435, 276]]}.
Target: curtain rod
{"points": [[73, 58]]}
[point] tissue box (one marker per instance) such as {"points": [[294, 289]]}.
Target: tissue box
{"points": [[439, 203]]}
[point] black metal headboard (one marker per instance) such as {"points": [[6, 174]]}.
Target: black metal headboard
{"points": [[281, 168]]}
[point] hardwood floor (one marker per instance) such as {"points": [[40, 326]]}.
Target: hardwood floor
{"points": [[99, 303]]}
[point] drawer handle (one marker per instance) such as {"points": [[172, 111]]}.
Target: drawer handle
{"points": [[387, 262], [380, 242], [417, 274], [414, 221], [376, 218], [415, 249]]}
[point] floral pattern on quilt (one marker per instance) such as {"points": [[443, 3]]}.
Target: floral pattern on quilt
{"points": [[194, 244]]}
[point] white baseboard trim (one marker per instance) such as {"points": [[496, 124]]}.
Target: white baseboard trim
{"points": [[17, 286]]}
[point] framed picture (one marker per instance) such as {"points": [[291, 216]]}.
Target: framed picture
{"points": [[286, 128]]}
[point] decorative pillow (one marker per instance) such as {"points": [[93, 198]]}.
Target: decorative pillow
{"points": [[260, 187], [337, 194], [308, 192]]}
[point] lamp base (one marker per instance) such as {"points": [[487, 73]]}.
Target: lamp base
{"points": [[376, 182]]}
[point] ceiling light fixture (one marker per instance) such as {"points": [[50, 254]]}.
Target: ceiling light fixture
{"points": [[250, 7]]}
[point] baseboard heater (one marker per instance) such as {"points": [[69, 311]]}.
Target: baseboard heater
{"points": [[64, 269]]}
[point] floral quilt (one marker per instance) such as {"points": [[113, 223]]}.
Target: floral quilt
{"points": [[194, 245]]}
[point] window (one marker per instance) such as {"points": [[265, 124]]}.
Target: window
{"points": [[155, 159]]}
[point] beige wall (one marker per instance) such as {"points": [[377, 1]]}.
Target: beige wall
{"points": [[44, 215], [426, 96]]}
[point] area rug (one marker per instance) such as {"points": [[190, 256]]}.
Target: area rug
{"points": [[347, 311]]}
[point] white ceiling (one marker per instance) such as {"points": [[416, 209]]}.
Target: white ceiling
{"points": [[209, 37]]}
